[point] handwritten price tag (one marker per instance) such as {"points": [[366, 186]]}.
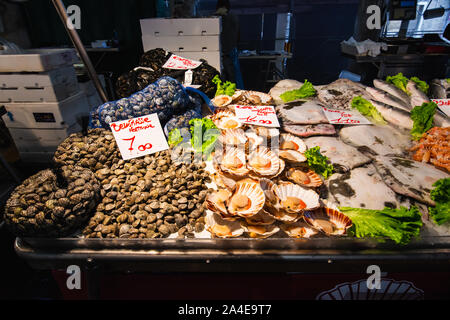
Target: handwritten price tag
{"points": [[138, 137], [444, 105], [344, 117], [257, 115], [180, 63]]}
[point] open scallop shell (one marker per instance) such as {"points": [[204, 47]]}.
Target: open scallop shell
{"points": [[283, 216], [263, 162], [253, 139], [291, 142], [247, 200], [226, 119], [258, 98], [292, 156], [238, 95], [266, 186], [216, 201], [222, 101], [299, 229], [260, 231], [262, 218], [233, 161], [267, 132], [222, 181], [294, 198], [307, 178], [221, 228], [233, 137], [329, 221]]}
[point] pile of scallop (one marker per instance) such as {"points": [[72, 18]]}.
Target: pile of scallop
{"points": [[265, 187]]}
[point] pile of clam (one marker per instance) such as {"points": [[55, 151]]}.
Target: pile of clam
{"points": [[150, 197], [265, 187], [52, 203], [243, 97]]}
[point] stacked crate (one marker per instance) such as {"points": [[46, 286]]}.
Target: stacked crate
{"points": [[193, 38], [43, 100]]}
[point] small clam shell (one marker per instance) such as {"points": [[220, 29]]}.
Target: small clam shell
{"points": [[329, 221], [263, 162], [260, 231], [233, 137], [306, 178], [221, 228], [262, 218], [222, 101], [292, 156], [247, 200], [291, 142], [294, 198], [298, 230], [233, 161]]}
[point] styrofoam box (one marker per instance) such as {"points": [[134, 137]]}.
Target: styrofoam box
{"points": [[46, 115], [52, 86], [38, 60], [177, 27], [212, 57], [182, 43]]}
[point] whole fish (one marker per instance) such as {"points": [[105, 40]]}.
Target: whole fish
{"points": [[391, 89], [418, 97], [387, 98], [399, 117], [440, 89], [440, 119]]}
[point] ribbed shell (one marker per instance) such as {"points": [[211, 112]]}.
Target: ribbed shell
{"points": [[260, 231], [266, 186], [298, 230], [307, 179], [221, 228], [253, 140], [253, 193], [226, 119], [292, 156], [283, 216], [339, 222], [222, 101], [223, 182], [228, 158], [288, 195], [273, 162], [291, 142], [262, 218], [233, 137], [216, 202], [263, 98]]}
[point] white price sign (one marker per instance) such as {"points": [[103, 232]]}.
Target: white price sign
{"points": [[257, 115], [444, 105], [180, 63], [336, 116], [138, 137]]}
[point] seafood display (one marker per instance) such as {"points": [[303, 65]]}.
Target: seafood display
{"points": [[340, 93], [282, 87], [302, 112], [434, 148]]}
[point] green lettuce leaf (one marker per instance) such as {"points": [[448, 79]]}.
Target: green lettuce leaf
{"points": [[175, 137], [204, 134], [399, 81], [400, 225], [319, 163], [228, 88], [422, 85], [305, 91], [441, 195], [367, 110], [423, 119]]}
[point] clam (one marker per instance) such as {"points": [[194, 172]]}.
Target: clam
{"points": [[263, 162], [298, 230], [305, 177], [247, 200], [260, 231], [262, 218], [233, 137], [233, 161], [291, 142], [329, 221], [292, 156], [222, 101], [221, 228], [294, 198]]}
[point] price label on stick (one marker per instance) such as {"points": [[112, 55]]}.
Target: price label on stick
{"points": [[138, 137], [443, 105], [336, 116], [180, 63], [257, 115]]}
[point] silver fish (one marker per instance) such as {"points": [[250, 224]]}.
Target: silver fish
{"points": [[440, 89], [387, 98], [391, 89], [399, 117], [418, 97], [440, 119]]}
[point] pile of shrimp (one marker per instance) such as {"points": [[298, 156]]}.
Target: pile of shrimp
{"points": [[434, 147]]}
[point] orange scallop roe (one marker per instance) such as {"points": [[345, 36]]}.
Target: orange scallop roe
{"points": [[261, 163], [300, 176], [230, 124], [221, 231], [289, 145], [233, 163], [293, 203]]}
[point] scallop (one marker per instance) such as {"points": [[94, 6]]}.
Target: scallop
{"points": [[307, 178], [262, 218], [233, 161], [259, 98], [294, 198], [253, 139], [292, 156], [222, 181], [329, 221], [263, 162], [266, 186], [248, 199], [233, 137], [226, 120], [260, 231], [222, 101], [291, 142], [221, 228], [216, 201], [267, 132], [298, 229], [283, 216]]}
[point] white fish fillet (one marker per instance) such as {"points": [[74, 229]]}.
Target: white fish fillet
{"points": [[302, 112], [391, 89], [310, 130], [396, 116], [376, 140], [410, 178], [341, 155]]}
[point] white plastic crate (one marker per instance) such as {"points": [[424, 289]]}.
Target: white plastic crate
{"points": [[182, 43], [46, 115], [181, 27], [38, 60], [52, 86]]}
